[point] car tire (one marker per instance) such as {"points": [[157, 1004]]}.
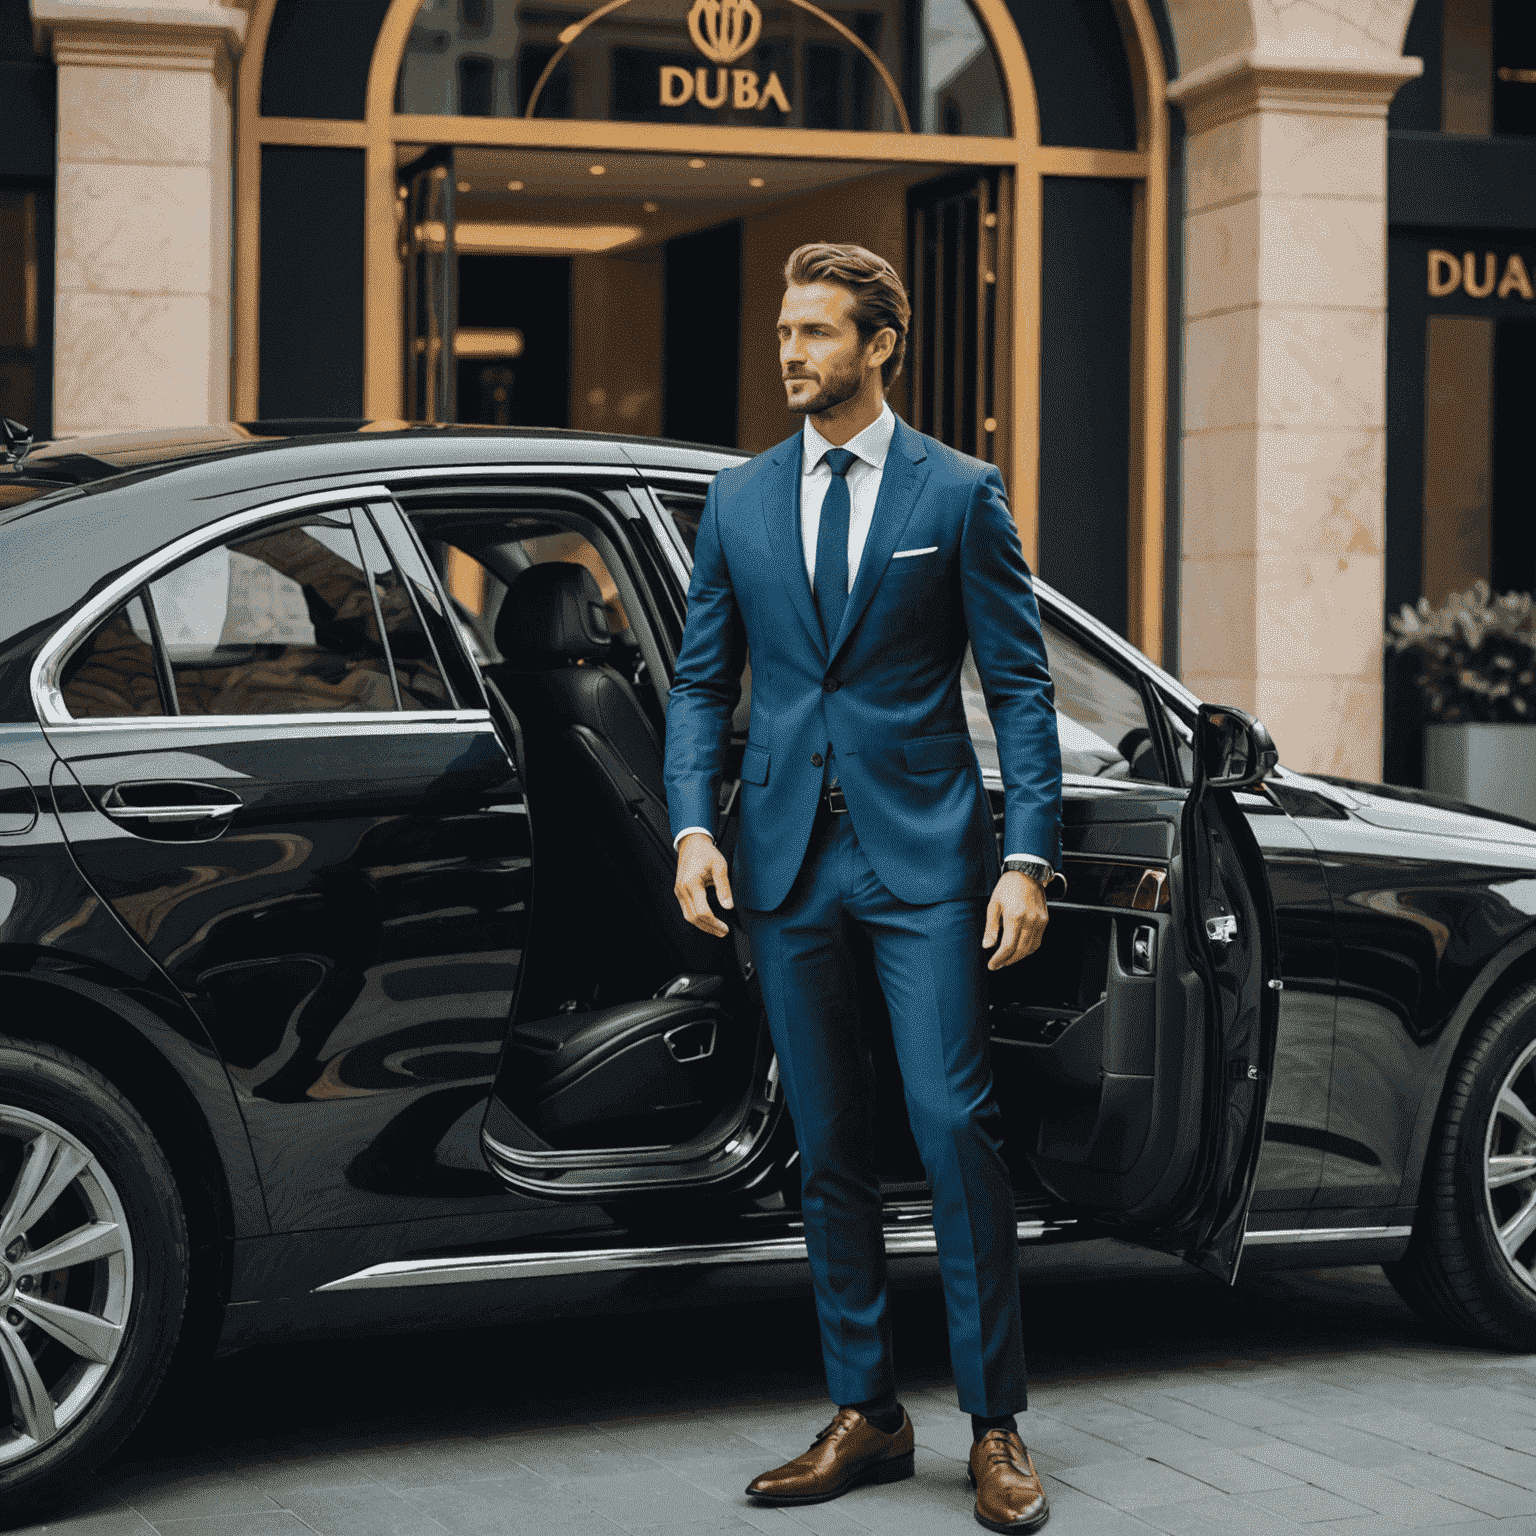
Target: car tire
{"points": [[1469, 1264], [83, 1180]]}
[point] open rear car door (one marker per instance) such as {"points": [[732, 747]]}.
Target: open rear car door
{"points": [[1133, 1051]]}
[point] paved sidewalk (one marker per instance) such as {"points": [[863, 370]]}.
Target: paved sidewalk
{"points": [[1163, 1403]]}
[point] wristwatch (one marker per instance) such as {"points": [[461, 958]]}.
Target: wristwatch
{"points": [[1038, 870]]}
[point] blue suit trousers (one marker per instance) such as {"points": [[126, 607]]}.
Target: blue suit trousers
{"points": [[931, 968]]}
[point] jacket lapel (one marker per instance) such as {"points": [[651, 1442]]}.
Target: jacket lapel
{"points": [[780, 505], [900, 486]]}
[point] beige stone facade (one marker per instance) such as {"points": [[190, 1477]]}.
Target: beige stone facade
{"points": [[144, 213], [1282, 487]]}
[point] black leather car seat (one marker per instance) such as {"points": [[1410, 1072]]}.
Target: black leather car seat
{"points": [[593, 754]]}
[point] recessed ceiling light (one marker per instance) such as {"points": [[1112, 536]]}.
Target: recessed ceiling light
{"points": [[651, 207], [754, 181], [696, 164], [463, 186], [598, 170], [514, 186]]}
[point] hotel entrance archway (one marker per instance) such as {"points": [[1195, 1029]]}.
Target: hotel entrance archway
{"points": [[1075, 177]]}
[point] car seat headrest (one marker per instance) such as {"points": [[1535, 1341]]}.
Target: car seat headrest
{"points": [[552, 614]]}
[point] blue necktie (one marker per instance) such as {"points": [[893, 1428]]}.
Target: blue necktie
{"points": [[832, 545]]}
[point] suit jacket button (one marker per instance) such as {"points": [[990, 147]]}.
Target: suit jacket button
{"points": [[830, 685], [816, 759]]}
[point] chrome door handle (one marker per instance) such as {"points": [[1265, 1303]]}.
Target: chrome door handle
{"points": [[114, 805], [1221, 930]]}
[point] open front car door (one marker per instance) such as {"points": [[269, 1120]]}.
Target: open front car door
{"points": [[1133, 1051]]}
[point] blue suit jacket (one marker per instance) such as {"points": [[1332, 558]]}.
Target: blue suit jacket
{"points": [[883, 693]]}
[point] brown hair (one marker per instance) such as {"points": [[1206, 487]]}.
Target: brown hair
{"points": [[880, 301]]}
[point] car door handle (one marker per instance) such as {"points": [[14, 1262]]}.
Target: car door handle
{"points": [[164, 802], [1221, 930]]}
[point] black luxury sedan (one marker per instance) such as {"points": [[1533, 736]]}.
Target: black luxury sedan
{"points": [[342, 986]]}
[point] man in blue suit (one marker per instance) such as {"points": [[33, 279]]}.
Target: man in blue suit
{"points": [[856, 562]]}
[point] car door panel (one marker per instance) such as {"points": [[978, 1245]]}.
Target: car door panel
{"points": [[351, 931]]}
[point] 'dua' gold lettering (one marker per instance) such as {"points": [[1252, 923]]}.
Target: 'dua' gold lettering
{"points": [[1515, 280], [679, 86], [1469, 275], [1448, 272], [1444, 268]]}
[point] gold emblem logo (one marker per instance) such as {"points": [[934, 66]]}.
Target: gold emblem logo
{"points": [[723, 30]]}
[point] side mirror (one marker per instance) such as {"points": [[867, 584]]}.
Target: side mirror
{"points": [[1235, 750], [15, 441]]}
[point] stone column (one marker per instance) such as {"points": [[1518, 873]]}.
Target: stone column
{"points": [[144, 185], [1285, 396]]}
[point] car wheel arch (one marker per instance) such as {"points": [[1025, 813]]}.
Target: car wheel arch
{"points": [[1513, 966], [124, 1041]]}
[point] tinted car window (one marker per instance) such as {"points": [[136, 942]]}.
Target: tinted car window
{"points": [[1099, 715], [280, 622], [113, 672], [417, 671]]}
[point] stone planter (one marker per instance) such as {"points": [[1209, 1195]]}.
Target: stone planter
{"points": [[1484, 764]]}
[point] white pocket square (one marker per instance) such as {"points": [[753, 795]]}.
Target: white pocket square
{"points": [[906, 554]]}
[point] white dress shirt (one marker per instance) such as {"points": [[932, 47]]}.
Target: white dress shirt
{"points": [[864, 476]]}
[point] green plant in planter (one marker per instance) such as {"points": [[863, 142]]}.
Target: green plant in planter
{"points": [[1477, 654]]}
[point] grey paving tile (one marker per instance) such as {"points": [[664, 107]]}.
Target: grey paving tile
{"points": [[1186, 1416], [120, 1521], [1412, 1431], [1235, 1404], [1375, 1525], [566, 1454], [278, 1477], [425, 1464], [1382, 1495], [638, 1498], [370, 1510], [1305, 1504], [1498, 1461], [1487, 1495], [1079, 1515], [1342, 1442], [722, 1525], [1132, 1484], [1216, 1514], [278, 1523], [936, 1501], [517, 1506], [1227, 1471], [184, 1492]]}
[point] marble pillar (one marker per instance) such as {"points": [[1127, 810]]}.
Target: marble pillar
{"points": [[1285, 395], [144, 217]]}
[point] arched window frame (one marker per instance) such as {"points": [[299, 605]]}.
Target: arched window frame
{"points": [[1022, 154]]}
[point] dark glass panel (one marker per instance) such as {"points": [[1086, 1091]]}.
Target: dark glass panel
{"points": [[311, 332], [317, 58]]}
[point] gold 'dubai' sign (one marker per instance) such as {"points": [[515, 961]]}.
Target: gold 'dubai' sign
{"points": [[1449, 272]]}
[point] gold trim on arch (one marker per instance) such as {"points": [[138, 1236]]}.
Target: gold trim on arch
{"points": [[572, 32], [1018, 311]]}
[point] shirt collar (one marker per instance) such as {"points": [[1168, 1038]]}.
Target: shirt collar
{"points": [[870, 446]]}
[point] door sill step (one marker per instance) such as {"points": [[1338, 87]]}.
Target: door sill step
{"points": [[901, 1241]]}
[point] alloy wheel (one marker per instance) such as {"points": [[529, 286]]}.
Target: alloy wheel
{"points": [[66, 1278], [1509, 1166]]}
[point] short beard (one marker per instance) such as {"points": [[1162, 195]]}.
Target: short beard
{"points": [[834, 391]]}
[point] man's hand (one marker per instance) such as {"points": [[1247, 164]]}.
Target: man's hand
{"points": [[1016, 919], [701, 865]]}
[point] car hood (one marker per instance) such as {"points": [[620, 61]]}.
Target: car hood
{"points": [[1398, 808]]}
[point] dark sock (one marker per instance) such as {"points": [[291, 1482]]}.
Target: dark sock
{"points": [[980, 1425], [884, 1412]]}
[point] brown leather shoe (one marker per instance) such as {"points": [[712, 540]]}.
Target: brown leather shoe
{"points": [[848, 1452], [1009, 1494]]}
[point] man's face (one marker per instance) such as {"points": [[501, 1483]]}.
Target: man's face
{"points": [[821, 354]]}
